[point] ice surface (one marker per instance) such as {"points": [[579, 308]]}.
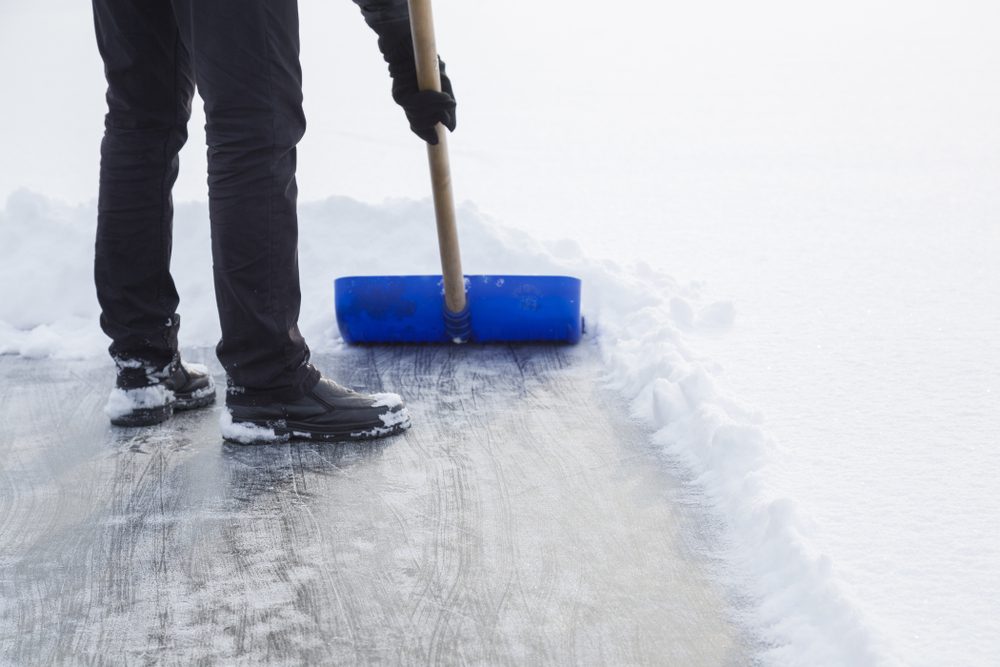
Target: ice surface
{"points": [[546, 529]]}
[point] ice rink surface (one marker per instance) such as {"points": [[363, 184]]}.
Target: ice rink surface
{"points": [[830, 170], [524, 519]]}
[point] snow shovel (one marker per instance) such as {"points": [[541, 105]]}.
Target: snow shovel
{"points": [[453, 307]]}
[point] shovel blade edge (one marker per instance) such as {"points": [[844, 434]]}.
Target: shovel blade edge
{"points": [[502, 308]]}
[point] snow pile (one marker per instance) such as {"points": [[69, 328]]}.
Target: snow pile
{"points": [[49, 308], [802, 612], [46, 259], [642, 321]]}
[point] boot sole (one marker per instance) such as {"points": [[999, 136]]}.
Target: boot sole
{"points": [[283, 431], [161, 413], [145, 416], [194, 402]]}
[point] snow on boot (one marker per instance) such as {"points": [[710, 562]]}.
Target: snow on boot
{"points": [[144, 395], [327, 412]]}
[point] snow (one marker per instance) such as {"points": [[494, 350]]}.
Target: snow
{"points": [[390, 422], [820, 179], [251, 434], [123, 401], [247, 434], [200, 369], [639, 317], [208, 390], [387, 400], [395, 418]]}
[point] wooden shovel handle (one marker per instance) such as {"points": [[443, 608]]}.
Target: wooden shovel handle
{"points": [[429, 78]]}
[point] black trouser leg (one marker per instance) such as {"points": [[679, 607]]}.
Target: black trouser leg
{"points": [[150, 85], [245, 60], [246, 55]]}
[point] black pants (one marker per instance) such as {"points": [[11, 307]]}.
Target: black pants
{"points": [[244, 57]]}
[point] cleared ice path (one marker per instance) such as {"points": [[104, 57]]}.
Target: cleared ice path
{"points": [[523, 520]]}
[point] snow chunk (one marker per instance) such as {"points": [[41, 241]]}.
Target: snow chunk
{"points": [[391, 419], [123, 362], [393, 422], [387, 400], [122, 402], [247, 434], [195, 368], [204, 391]]}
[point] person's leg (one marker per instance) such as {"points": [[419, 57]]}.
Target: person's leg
{"points": [[150, 86], [246, 62]]}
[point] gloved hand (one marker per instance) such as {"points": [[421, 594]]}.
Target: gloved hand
{"points": [[424, 108]]}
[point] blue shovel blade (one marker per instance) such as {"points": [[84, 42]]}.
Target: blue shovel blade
{"points": [[410, 309]]}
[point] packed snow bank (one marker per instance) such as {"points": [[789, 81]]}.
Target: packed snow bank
{"points": [[46, 255], [643, 322], [46, 278], [46, 268]]}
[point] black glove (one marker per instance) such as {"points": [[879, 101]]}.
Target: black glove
{"points": [[424, 108]]}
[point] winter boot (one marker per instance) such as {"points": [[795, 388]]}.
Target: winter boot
{"points": [[144, 395], [327, 412]]}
